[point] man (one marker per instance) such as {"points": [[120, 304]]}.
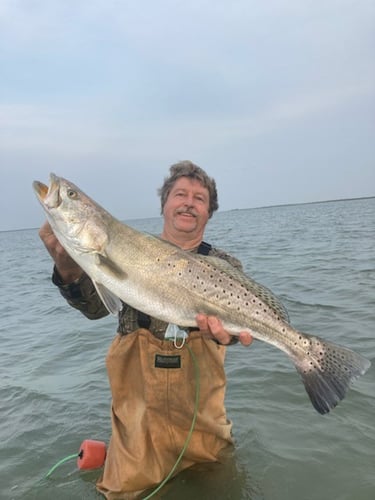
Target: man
{"points": [[153, 382]]}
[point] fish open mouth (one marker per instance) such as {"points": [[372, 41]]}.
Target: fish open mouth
{"points": [[48, 195], [40, 189]]}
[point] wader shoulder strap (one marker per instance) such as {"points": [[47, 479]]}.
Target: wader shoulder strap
{"points": [[144, 320], [204, 248]]}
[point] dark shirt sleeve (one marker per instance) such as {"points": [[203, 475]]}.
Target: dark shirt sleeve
{"points": [[82, 295]]}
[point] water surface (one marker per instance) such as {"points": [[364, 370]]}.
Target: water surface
{"points": [[318, 258]]}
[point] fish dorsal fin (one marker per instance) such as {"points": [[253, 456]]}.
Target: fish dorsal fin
{"points": [[260, 291], [111, 301]]}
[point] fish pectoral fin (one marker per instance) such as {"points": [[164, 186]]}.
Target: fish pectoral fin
{"points": [[110, 300], [110, 266]]}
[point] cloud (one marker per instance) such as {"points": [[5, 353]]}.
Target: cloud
{"points": [[86, 131], [94, 84]]}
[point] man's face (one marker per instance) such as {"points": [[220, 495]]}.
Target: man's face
{"points": [[187, 207]]}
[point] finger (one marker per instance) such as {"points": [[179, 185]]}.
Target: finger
{"points": [[45, 230], [217, 330], [245, 338], [202, 323]]}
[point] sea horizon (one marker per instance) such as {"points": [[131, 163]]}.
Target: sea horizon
{"points": [[227, 210]]}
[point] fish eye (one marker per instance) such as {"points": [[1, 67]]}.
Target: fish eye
{"points": [[71, 193]]}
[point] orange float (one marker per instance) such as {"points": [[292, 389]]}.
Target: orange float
{"points": [[91, 455]]}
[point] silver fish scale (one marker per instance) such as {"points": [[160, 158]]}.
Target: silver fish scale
{"points": [[235, 285], [243, 301]]}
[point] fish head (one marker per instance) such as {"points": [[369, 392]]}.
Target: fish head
{"points": [[62, 203], [77, 221]]}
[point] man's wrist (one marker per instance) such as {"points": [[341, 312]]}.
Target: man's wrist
{"points": [[64, 282], [66, 277], [72, 290]]}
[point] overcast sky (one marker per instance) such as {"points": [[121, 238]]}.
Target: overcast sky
{"points": [[275, 99]]}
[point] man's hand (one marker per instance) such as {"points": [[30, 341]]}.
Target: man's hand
{"points": [[215, 327], [65, 265]]}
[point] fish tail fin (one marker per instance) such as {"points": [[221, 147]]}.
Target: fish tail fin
{"points": [[327, 371]]}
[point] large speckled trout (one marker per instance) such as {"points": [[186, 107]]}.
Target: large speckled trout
{"points": [[173, 285]]}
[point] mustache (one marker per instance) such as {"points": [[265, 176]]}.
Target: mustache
{"points": [[187, 210]]}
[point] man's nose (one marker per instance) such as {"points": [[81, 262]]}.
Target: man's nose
{"points": [[189, 201]]}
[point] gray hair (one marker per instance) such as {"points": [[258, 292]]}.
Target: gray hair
{"points": [[188, 169]]}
